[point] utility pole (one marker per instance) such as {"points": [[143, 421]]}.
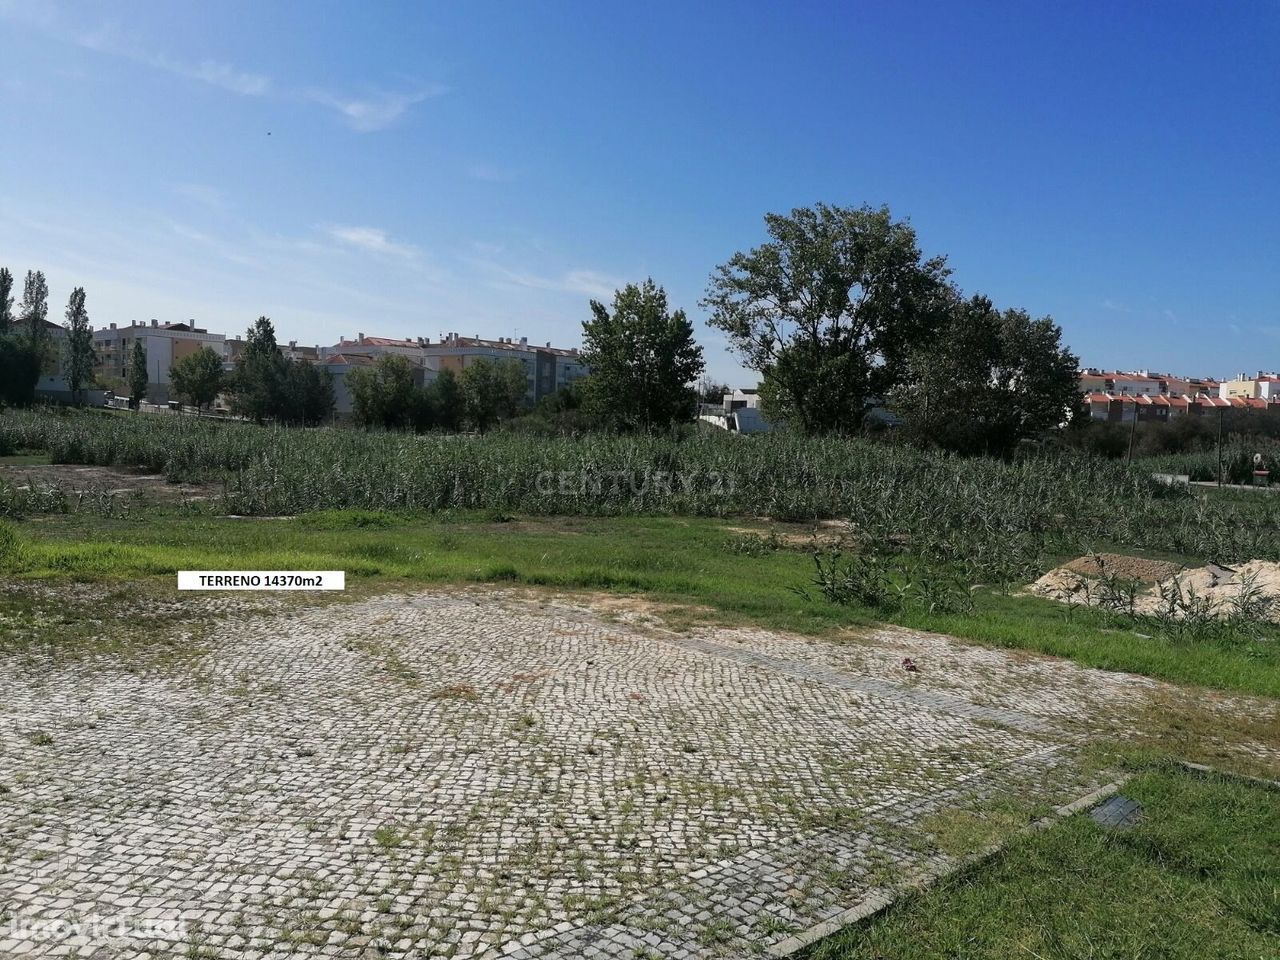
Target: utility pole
{"points": [[1133, 430], [1221, 412]]}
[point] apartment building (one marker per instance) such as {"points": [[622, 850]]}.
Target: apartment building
{"points": [[164, 343], [547, 368], [1265, 386], [413, 349]]}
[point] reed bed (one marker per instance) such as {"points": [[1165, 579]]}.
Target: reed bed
{"points": [[939, 505]]}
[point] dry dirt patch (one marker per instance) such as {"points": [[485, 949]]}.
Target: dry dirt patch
{"points": [[121, 481], [1126, 567]]}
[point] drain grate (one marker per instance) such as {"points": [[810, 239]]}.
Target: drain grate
{"points": [[1117, 812]]}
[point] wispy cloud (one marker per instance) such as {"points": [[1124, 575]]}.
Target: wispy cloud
{"points": [[489, 173], [589, 283], [377, 111], [224, 75], [111, 39], [369, 239], [202, 194], [1115, 307], [365, 113]]}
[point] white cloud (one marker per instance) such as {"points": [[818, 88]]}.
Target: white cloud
{"points": [[489, 173], [367, 113], [370, 239], [375, 112], [110, 39], [226, 76], [201, 193], [590, 283]]}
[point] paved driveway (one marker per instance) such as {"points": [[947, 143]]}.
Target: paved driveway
{"points": [[465, 774]]}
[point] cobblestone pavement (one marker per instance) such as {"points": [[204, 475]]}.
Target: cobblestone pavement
{"points": [[471, 774]]}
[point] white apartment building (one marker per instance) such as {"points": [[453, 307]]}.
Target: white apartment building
{"points": [[164, 344]]}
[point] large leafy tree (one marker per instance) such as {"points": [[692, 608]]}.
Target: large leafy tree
{"points": [[383, 395], [258, 380], [197, 377], [989, 379], [643, 360], [492, 391], [6, 300], [19, 371], [79, 344], [446, 406], [307, 396], [19, 361], [828, 311], [135, 373]]}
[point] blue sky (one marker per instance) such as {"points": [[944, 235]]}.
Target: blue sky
{"points": [[412, 169]]}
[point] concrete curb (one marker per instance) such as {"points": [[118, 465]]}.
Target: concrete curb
{"points": [[882, 897]]}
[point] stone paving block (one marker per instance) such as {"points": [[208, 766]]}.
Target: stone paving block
{"points": [[475, 774]]}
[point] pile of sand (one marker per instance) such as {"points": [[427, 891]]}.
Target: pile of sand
{"points": [[1083, 581]]}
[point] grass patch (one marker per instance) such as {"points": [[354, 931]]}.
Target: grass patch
{"points": [[1196, 877], [685, 563]]}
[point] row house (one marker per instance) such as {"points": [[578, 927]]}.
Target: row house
{"points": [[1145, 383], [1124, 408]]}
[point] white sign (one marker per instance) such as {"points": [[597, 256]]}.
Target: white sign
{"points": [[262, 580]]}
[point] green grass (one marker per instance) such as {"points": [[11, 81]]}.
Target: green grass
{"points": [[684, 563], [1197, 877]]}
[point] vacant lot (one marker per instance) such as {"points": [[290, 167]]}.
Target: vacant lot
{"points": [[464, 773]]}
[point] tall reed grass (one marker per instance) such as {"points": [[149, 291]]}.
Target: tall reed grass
{"points": [[944, 506]]}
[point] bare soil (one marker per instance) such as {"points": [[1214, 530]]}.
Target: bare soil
{"points": [[1129, 568], [153, 487]]}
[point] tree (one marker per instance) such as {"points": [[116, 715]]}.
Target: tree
{"points": [[307, 395], [35, 305], [79, 344], [258, 379], [710, 391], [383, 395], [19, 371], [20, 362], [989, 379], [446, 405], [828, 310], [197, 377], [6, 301], [643, 361], [136, 374], [492, 391]]}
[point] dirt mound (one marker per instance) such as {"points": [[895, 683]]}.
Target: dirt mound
{"points": [[1125, 567], [1251, 588]]}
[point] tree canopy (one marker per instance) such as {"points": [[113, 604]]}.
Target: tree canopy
{"points": [[989, 379], [384, 394], [259, 374], [79, 344], [136, 373], [643, 361], [6, 300], [197, 377], [492, 391], [828, 310]]}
